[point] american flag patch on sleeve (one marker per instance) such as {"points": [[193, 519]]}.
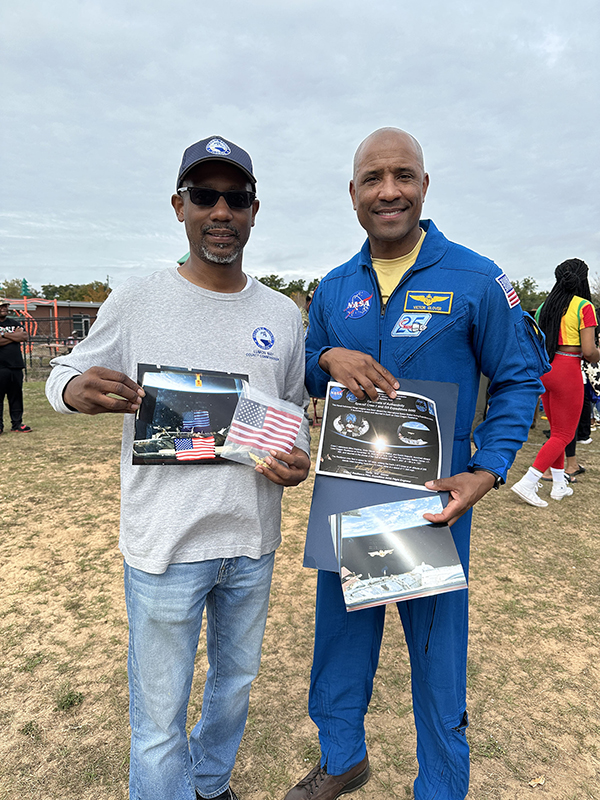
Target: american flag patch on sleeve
{"points": [[511, 296]]}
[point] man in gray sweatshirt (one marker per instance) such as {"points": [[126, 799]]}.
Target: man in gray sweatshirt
{"points": [[194, 536]]}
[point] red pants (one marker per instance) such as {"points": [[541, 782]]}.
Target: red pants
{"points": [[563, 401]]}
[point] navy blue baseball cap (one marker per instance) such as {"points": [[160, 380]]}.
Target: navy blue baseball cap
{"points": [[215, 148]]}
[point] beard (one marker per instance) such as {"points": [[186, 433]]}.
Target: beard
{"points": [[212, 253]]}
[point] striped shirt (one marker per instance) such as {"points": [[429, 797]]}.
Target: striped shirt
{"points": [[579, 314]]}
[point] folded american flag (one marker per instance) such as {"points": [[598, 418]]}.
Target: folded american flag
{"points": [[191, 449], [264, 427], [197, 421]]}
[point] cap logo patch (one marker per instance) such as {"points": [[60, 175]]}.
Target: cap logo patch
{"points": [[218, 147]]}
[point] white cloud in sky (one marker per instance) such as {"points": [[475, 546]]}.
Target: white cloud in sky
{"points": [[102, 97]]}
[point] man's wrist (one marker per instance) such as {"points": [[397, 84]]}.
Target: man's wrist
{"points": [[321, 363], [64, 394], [498, 481]]}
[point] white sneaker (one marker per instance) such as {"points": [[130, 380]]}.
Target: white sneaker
{"points": [[561, 490], [528, 493], [585, 441]]}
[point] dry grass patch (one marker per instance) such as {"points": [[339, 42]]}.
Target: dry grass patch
{"points": [[533, 661]]}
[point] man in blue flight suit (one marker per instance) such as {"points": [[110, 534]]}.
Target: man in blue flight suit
{"points": [[412, 304]]}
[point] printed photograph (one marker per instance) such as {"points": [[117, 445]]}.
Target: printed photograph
{"points": [[185, 416], [388, 553]]}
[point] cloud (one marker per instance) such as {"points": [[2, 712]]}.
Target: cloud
{"points": [[103, 97]]}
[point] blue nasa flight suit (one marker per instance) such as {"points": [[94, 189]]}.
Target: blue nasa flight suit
{"points": [[453, 315]]}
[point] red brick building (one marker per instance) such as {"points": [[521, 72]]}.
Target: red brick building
{"points": [[54, 321]]}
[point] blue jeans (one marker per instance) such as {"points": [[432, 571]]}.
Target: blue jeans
{"points": [[165, 618]]}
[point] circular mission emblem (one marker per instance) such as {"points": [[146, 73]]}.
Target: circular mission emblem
{"points": [[218, 147], [358, 305], [263, 338]]}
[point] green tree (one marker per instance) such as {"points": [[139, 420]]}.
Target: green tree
{"points": [[64, 291], [94, 292], [273, 282], [529, 295], [12, 289], [294, 287]]}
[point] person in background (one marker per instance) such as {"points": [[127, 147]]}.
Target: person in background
{"points": [[12, 334], [572, 466], [304, 311], [568, 319]]}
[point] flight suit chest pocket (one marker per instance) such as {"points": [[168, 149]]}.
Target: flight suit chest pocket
{"points": [[441, 338], [353, 334], [532, 346]]}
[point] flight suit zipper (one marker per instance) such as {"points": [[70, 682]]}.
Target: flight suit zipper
{"points": [[384, 308]]}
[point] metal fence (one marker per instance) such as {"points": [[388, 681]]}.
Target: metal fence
{"points": [[49, 337]]}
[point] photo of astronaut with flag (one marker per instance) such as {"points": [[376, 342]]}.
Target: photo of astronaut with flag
{"points": [[185, 415]]}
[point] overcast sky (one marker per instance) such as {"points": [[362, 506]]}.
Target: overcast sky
{"points": [[101, 97]]}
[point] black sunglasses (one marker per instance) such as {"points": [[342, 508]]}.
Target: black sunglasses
{"points": [[237, 198]]}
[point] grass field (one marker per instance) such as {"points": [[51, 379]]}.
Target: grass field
{"points": [[534, 667]]}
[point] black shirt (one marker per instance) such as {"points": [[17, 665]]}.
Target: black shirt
{"points": [[10, 354]]}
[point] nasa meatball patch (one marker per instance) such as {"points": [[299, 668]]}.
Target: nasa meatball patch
{"points": [[358, 305]]}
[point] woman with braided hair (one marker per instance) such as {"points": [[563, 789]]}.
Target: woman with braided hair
{"points": [[568, 319]]}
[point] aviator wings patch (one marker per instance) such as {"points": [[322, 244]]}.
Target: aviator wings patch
{"points": [[433, 302]]}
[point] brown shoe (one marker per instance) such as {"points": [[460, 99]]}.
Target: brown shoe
{"points": [[318, 785]]}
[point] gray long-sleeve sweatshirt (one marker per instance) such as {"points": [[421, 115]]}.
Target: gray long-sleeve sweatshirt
{"points": [[186, 512]]}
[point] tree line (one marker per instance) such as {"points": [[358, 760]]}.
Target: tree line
{"points": [[531, 297], [93, 292], [295, 288], [97, 291]]}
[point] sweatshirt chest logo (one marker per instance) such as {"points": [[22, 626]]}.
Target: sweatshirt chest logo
{"points": [[359, 304], [263, 338], [431, 302]]}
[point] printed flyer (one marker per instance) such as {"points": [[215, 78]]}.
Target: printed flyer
{"points": [[356, 469], [387, 441]]}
